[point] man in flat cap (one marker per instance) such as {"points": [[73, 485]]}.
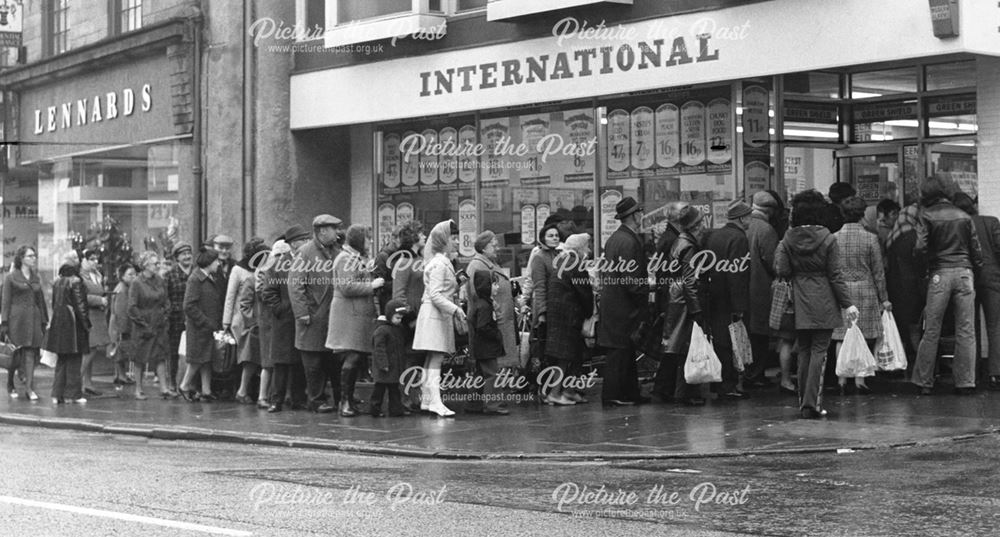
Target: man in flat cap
{"points": [[310, 288], [624, 302], [729, 291], [763, 241], [223, 244], [176, 278]]}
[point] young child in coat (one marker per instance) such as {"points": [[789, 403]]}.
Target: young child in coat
{"points": [[486, 344], [389, 358]]}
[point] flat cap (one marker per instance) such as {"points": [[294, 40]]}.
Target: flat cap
{"points": [[180, 248], [326, 220], [222, 239]]}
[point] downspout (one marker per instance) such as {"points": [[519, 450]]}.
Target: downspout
{"points": [[194, 21], [249, 116]]}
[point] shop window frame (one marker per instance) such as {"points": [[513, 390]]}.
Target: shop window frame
{"points": [[423, 16], [125, 16], [56, 27]]}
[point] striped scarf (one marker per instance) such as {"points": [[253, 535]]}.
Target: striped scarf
{"points": [[906, 222]]}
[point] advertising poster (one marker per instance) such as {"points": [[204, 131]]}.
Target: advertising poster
{"points": [[756, 175], [755, 118], [448, 173], [668, 136], [609, 224], [410, 172], [642, 138], [466, 162], [492, 199], [692, 133], [404, 213], [720, 134], [580, 126], [467, 228], [390, 161], [528, 230], [542, 213], [534, 128], [495, 135], [429, 163], [618, 143], [386, 223]]}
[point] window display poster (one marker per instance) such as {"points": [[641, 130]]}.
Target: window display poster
{"points": [[618, 142], [492, 199], [542, 213], [466, 162], [967, 181], [528, 224], [562, 199], [755, 117], [720, 132], [467, 228], [580, 124], [692, 133], [404, 213], [429, 163], [448, 173], [642, 142], [495, 133], [386, 223], [668, 136], [390, 162], [410, 171], [867, 176], [756, 175], [534, 127], [527, 196], [609, 224]]}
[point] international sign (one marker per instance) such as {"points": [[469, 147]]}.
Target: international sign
{"points": [[10, 24]]}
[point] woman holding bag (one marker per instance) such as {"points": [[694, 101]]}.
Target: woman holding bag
{"points": [[439, 312], [68, 334], [24, 317], [810, 257]]}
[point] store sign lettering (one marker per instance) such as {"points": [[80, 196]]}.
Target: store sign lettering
{"points": [[578, 63], [101, 108]]}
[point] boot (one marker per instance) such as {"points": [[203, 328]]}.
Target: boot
{"points": [[346, 410], [425, 395], [434, 387]]}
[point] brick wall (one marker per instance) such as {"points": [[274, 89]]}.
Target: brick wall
{"points": [[988, 115]]}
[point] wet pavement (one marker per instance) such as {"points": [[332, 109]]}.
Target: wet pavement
{"points": [[766, 423]]}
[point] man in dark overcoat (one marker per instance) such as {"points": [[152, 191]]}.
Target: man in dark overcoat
{"points": [[662, 386], [729, 291], [624, 303], [310, 288]]}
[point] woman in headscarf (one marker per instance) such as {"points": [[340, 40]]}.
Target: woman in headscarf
{"points": [[905, 278], [486, 246], [242, 321], [149, 310], [407, 266], [435, 332], [570, 294]]}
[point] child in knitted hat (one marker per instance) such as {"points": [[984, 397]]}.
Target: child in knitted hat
{"points": [[388, 359]]}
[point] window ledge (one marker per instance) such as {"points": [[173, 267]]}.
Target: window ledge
{"points": [[497, 10], [384, 28]]}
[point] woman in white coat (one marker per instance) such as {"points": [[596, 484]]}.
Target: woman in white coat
{"points": [[435, 332]]}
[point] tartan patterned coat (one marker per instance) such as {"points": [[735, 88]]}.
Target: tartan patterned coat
{"points": [[176, 285], [864, 274]]}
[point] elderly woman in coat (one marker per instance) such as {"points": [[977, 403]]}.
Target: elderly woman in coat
{"points": [[68, 334], [407, 266], [97, 309], [435, 332], [810, 257], [122, 348], [503, 300], [25, 317], [242, 321], [570, 294], [149, 311], [540, 270], [352, 311], [203, 305], [864, 274]]}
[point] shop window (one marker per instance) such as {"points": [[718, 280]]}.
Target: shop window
{"points": [[953, 75], [509, 9], [469, 5], [359, 21], [885, 121], [871, 84], [359, 10], [811, 121], [957, 161], [129, 15], [808, 168], [813, 84], [954, 115], [56, 26]]}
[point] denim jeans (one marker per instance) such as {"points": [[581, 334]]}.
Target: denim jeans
{"points": [[813, 346], [949, 286]]}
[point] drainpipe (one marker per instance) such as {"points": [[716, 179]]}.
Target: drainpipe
{"points": [[194, 22], [249, 140]]}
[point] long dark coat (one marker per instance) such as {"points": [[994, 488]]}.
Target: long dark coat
{"points": [[389, 344], [203, 303], [408, 286], [24, 309], [68, 332], [352, 309], [684, 295], [506, 314], [988, 231], [149, 311], [276, 311], [486, 341], [311, 292], [810, 257], [624, 293], [728, 290], [763, 241], [571, 299]]}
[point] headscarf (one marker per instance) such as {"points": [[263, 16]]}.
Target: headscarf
{"points": [[906, 222], [439, 240]]}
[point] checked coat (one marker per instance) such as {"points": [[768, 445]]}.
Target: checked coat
{"points": [[864, 274]]}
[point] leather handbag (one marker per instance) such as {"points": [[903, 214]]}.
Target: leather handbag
{"points": [[461, 325], [7, 350]]}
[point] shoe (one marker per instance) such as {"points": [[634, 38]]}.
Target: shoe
{"points": [[618, 402], [346, 410], [58, 401], [262, 404], [496, 412], [735, 394], [323, 409], [209, 397], [128, 381], [118, 382], [377, 414], [169, 395], [694, 401], [441, 410], [810, 413], [864, 390], [786, 391], [91, 391], [244, 400], [993, 384], [575, 397], [189, 395], [845, 389], [80, 401], [400, 414], [13, 395], [271, 409], [926, 391], [562, 400], [141, 397], [32, 396], [969, 390]]}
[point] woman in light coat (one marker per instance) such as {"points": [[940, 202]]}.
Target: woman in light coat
{"points": [[25, 317], [435, 332], [243, 324], [503, 299], [352, 311]]}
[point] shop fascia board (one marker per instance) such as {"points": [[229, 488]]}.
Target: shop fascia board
{"points": [[107, 52], [498, 10], [386, 28]]}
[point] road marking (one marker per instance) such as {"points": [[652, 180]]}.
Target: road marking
{"points": [[124, 516]]}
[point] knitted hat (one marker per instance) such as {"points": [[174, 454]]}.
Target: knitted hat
{"points": [[395, 306], [483, 240]]}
